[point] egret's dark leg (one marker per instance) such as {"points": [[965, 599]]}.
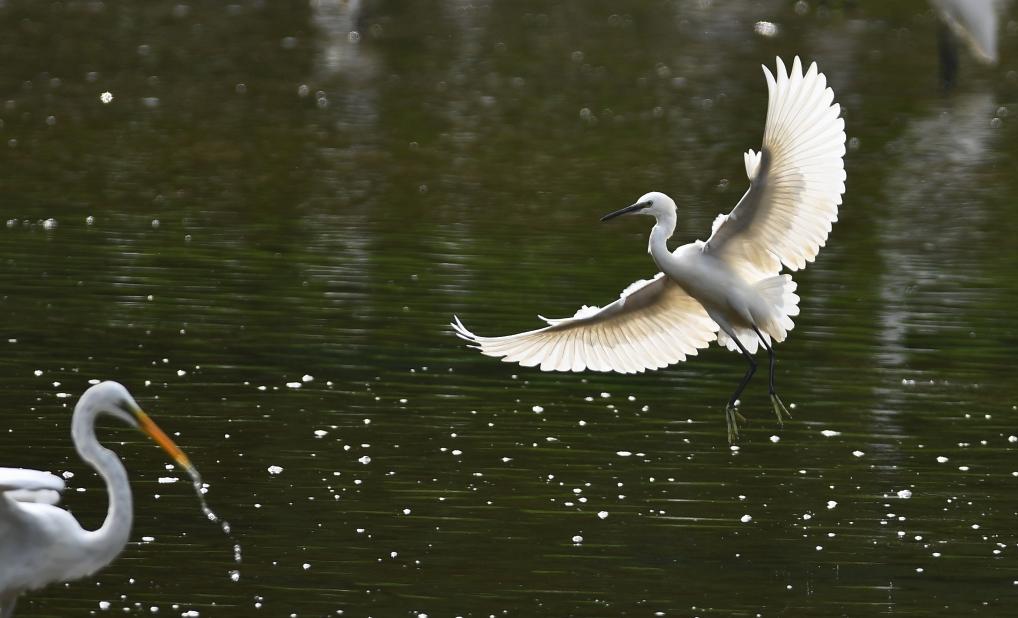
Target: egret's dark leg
{"points": [[947, 50], [732, 416], [779, 406]]}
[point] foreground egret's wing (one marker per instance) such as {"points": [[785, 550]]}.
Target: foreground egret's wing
{"points": [[796, 180], [652, 325], [24, 485]]}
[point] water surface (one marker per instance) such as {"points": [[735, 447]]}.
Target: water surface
{"points": [[289, 201]]}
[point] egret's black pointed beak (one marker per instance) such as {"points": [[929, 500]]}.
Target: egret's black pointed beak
{"points": [[625, 211]]}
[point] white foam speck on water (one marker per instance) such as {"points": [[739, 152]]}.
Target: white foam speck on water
{"points": [[365, 460], [274, 470], [104, 605], [147, 539], [746, 519], [831, 504], [577, 539], [166, 480], [767, 29], [623, 453], [235, 576], [307, 378], [775, 439], [602, 514], [942, 459], [858, 453], [106, 98], [321, 433], [905, 494], [293, 384], [1012, 439], [830, 433], [537, 409]]}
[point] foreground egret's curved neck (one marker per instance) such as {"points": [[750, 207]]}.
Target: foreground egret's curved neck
{"points": [[106, 542], [659, 235]]}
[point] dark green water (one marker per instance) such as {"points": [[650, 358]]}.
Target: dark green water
{"points": [[275, 197]]}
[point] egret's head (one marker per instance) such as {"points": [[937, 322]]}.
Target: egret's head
{"points": [[655, 204], [112, 398]]}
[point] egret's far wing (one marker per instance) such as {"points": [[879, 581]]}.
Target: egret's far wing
{"points": [[24, 485], [796, 180], [653, 324]]}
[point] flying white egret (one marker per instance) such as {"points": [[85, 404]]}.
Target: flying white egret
{"points": [[728, 288], [41, 543]]}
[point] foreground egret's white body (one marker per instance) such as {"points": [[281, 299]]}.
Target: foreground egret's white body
{"points": [[41, 543], [728, 288]]}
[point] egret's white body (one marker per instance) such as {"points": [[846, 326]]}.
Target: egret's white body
{"points": [[728, 288], [41, 543]]}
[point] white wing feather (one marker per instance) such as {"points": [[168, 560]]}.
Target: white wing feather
{"points": [[653, 324], [25, 485], [796, 180]]}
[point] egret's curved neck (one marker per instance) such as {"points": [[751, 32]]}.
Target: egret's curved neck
{"points": [[106, 542], [659, 235]]}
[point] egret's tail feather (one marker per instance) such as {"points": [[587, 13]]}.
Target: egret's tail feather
{"points": [[746, 337], [779, 292]]}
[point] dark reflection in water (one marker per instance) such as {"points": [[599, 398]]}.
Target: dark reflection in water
{"points": [[291, 200]]}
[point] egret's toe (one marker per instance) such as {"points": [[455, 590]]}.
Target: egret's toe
{"points": [[779, 409]]}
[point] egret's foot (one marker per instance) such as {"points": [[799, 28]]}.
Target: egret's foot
{"points": [[732, 420], [779, 409]]}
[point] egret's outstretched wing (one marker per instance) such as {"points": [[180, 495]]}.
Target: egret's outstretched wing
{"points": [[796, 180], [24, 485], [652, 325]]}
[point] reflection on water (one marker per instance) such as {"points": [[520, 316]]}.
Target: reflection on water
{"points": [[286, 214]]}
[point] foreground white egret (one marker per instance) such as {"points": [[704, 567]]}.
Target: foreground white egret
{"points": [[41, 543], [728, 288]]}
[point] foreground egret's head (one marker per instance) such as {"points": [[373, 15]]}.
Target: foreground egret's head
{"points": [[655, 204], [112, 398]]}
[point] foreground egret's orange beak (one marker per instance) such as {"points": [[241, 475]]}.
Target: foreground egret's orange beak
{"points": [[148, 426]]}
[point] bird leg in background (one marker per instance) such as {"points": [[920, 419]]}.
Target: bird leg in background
{"points": [[732, 416], [776, 403], [947, 51]]}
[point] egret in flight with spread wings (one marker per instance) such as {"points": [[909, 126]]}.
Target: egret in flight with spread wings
{"points": [[730, 287], [41, 543]]}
